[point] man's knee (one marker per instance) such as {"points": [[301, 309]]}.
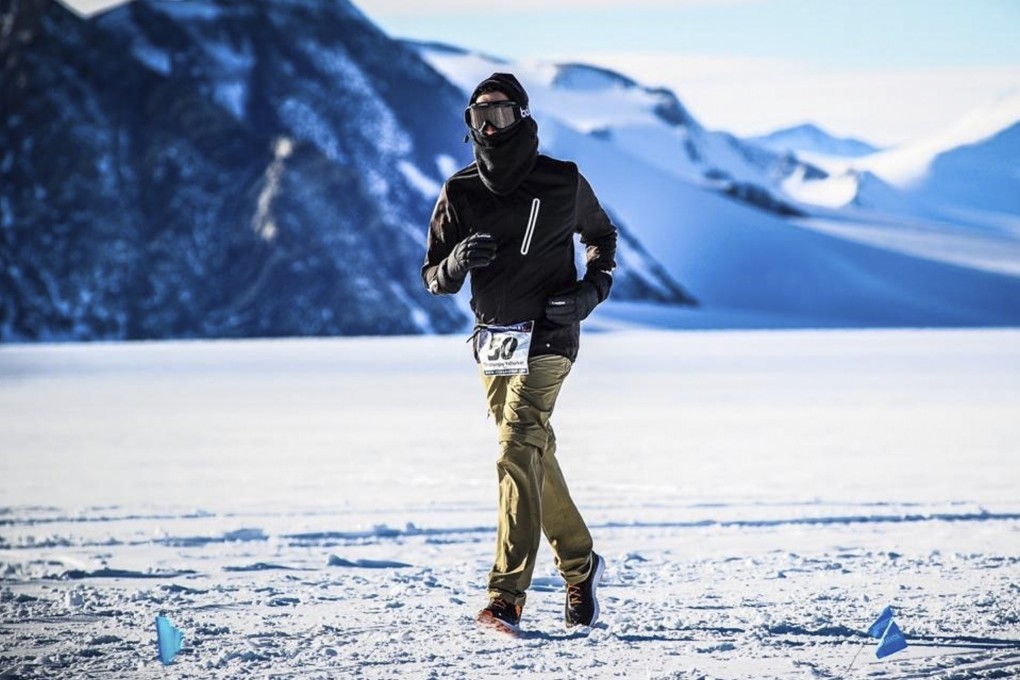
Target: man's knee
{"points": [[522, 436]]}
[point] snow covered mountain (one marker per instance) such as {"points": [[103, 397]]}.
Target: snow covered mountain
{"points": [[974, 164], [212, 168], [811, 139], [206, 168], [970, 173], [954, 197], [204, 187], [761, 238]]}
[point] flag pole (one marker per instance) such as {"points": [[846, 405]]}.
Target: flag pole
{"points": [[859, 650]]}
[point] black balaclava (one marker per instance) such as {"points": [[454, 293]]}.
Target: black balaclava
{"points": [[505, 158]]}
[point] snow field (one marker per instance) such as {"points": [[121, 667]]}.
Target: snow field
{"points": [[325, 508]]}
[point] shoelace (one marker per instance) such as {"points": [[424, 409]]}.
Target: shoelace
{"points": [[575, 595]]}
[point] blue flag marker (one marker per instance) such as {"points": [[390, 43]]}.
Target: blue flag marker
{"points": [[892, 641], [169, 638], [878, 628], [889, 635]]}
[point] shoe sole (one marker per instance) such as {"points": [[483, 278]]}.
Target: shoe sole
{"points": [[600, 567]]}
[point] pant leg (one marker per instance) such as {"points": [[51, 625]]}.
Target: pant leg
{"points": [[519, 525], [522, 419], [562, 523]]}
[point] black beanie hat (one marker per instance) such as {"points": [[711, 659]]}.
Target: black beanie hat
{"points": [[505, 83]]}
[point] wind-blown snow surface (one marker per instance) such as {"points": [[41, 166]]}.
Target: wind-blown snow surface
{"points": [[325, 508]]}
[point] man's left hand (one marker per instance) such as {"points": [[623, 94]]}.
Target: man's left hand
{"points": [[573, 304]]}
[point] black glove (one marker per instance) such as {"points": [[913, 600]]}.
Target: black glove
{"points": [[573, 304], [477, 250]]}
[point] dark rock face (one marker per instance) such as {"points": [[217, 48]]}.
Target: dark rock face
{"points": [[138, 205]]}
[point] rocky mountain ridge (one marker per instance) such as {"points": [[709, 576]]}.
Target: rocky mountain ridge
{"points": [[193, 169]]}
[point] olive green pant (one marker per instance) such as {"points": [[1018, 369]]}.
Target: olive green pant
{"points": [[533, 496]]}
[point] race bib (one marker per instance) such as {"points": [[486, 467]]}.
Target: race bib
{"points": [[503, 350]]}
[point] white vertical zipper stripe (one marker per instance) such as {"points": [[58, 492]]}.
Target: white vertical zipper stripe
{"points": [[530, 230]]}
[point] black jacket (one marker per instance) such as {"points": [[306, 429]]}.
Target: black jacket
{"points": [[534, 227]]}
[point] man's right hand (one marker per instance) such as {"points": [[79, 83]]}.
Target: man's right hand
{"points": [[477, 250]]}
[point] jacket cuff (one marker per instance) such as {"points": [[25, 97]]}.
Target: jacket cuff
{"points": [[444, 282], [602, 280]]}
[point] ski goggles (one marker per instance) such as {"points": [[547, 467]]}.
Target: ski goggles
{"points": [[500, 115]]}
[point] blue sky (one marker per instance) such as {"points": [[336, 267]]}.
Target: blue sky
{"points": [[889, 71], [832, 33]]}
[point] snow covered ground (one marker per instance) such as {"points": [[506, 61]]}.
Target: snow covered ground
{"points": [[325, 508]]}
